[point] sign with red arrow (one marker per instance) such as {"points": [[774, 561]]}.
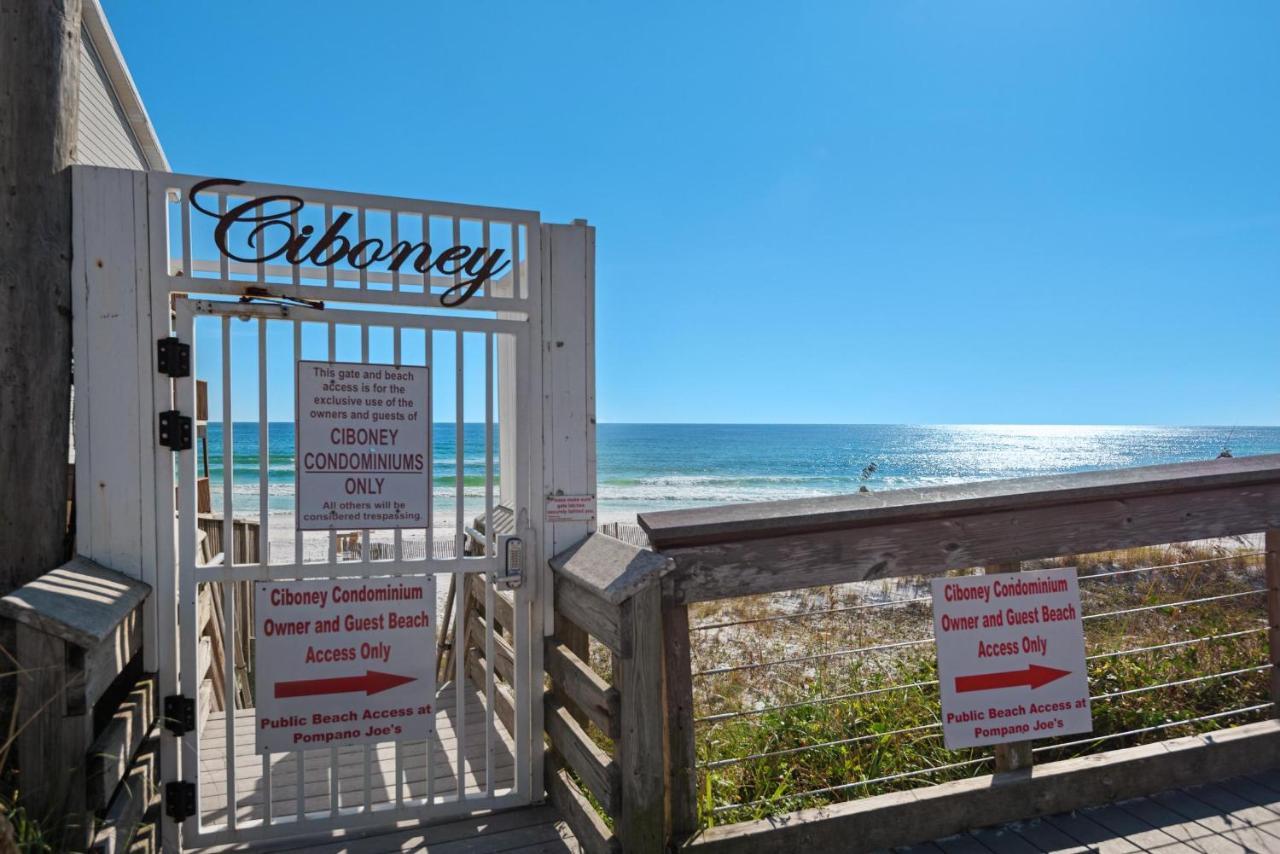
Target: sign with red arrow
{"points": [[1011, 663], [344, 661]]}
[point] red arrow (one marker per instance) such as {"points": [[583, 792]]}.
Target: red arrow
{"points": [[372, 682], [1034, 676]]}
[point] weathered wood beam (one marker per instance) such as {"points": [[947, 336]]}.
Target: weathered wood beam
{"points": [[931, 545], [611, 569], [642, 745], [599, 618], [39, 94]]}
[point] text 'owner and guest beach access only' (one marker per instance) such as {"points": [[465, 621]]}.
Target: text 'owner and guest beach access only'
{"points": [[1011, 663]]}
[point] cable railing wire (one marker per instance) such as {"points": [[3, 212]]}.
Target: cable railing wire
{"points": [[1169, 566], [800, 615], [805, 614], [817, 701], [717, 717], [1173, 644], [735, 668], [787, 751], [1179, 604], [1154, 728], [1189, 681]]}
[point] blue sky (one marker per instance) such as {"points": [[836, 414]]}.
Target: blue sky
{"points": [[808, 212]]}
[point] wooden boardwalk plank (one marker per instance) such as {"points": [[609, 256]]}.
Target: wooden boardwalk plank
{"points": [[1089, 833], [1130, 827], [317, 773], [1043, 836], [1003, 840], [1234, 828]]}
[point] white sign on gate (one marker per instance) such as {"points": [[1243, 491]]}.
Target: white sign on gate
{"points": [[344, 661], [1011, 663], [362, 446]]}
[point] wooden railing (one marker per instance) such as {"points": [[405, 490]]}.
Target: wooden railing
{"points": [[86, 712], [637, 603]]}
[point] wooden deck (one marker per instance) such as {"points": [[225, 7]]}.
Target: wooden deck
{"points": [[1238, 815], [528, 827]]}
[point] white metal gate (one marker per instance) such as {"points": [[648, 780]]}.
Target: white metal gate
{"points": [[245, 316]]}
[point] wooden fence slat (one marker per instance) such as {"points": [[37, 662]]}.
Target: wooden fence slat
{"points": [[588, 827], [595, 768], [572, 676], [109, 757]]}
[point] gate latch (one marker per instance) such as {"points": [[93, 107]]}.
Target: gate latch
{"points": [[179, 800], [173, 358], [512, 550], [179, 714], [175, 430]]}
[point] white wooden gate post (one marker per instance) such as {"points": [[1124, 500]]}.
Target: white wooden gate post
{"points": [[114, 419], [568, 382]]}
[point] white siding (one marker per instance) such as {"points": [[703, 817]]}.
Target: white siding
{"points": [[103, 136]]}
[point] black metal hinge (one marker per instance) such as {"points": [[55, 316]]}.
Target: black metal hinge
{"points": [[179, 714], [173, 357], [179, 800], [175, 430]]}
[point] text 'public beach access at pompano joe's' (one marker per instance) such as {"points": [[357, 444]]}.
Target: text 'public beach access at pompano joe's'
{"points": [[344, 661], [363, 443], [1011, 663]]}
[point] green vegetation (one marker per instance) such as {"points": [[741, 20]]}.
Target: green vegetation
{"points": [[883, 734]]}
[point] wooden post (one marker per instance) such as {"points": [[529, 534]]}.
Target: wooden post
{"points": [[682, 774], [1013, 755], [39, 67], [642, 745], [1273, 614]]}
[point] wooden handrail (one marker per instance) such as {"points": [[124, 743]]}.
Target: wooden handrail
{"points": [[797, 517], [919, 532]]}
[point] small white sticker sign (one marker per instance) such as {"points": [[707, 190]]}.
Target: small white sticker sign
{"points": [[1011, 663], [571, 508], [344, 661], [362, 446]]}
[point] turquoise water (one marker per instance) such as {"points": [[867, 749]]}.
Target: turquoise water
{"points": [[660, 466]]}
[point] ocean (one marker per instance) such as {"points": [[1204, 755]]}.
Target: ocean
{"points": [[661, 466]]}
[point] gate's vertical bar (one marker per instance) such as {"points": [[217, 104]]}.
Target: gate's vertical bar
{"points": [[333, 550], [188, 591], [1272, 546], [223, 262], [490, 615], [363, 260], [1012, 755], [364, 543], [460, 614], [185, 208], [430, 782], [299, 759], [264, 529], [364, 360], [226, 586], [398, 548]]}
